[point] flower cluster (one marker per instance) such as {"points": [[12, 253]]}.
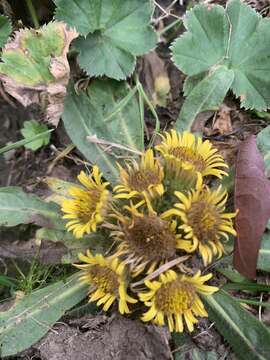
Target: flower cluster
{"points": [[164, 225]]}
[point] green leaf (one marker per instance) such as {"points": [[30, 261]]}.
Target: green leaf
{"points": [[5, 30], [237, 38], [32, 317], [249, 338], [263, 142], [17, 207], [263, 262], [207, 95], [94, 116], [32, 128], [35, 70], [185, 348], [96, 242], [116, 32], [23, 142]]}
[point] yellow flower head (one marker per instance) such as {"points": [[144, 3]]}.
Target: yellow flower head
{"points": [[107, 281], [187, 157], [204, 221], [174, 297], [88, 206], [141, 180], [145, 240]]}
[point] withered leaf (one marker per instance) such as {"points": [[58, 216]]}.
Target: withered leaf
{"points": [[35, 69], [252, 199]]}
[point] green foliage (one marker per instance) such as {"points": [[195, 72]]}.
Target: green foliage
{"points": [[31, 317], [236, 38], [100, 116], [205, 96], [249, 338], [17, 207], [95, 241], [32, 67], [5, 30], [185, 348], [31, 129], [115, 32], [264, 146], [23, 142], [263, 262]]}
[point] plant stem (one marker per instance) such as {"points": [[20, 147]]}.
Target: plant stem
{"points": [[33, 13], [23, 142], [253, 302], [164, 30]]}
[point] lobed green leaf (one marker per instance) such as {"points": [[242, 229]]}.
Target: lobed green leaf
{"points": [[115, 32], [237, 38]]}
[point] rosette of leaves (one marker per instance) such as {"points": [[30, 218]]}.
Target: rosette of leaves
{"points": [[5, 30], [223, 49], [113, 33]]}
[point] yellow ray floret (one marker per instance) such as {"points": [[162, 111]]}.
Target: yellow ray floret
{"points": [[141, 180], [107, 282], [204, 221], [175, 298], [88, 205], [186, 154], [145, 240]]}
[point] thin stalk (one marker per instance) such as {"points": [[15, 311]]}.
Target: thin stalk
{"points": [[32, 13], [122, 103], [253, 302], [168, 27], [150, 105], [23, 142], [141, 109]]}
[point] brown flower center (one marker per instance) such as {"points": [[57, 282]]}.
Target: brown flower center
{"points": [[140, 180], [150, 237], [104, 278], [204, 219], [189, 155], [175, 297]]}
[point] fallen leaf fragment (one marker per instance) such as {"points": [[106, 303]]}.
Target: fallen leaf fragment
{"points": [[156, 79], [252, 199], [223, 124], [35, 69]]}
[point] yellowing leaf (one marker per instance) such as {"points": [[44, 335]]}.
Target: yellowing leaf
{"points": [[35, 69]]}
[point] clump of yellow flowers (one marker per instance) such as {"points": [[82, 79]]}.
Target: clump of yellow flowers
{"points": [[161, 218]]}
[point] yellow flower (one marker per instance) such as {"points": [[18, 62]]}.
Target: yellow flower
{"points": [[174, 297], [204, 221], [141, 180], [107, 281], [88, 206], [145, 240], [188, 158]]}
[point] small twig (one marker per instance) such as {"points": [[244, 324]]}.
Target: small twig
{"points": [[161, 269], [94, 139]]}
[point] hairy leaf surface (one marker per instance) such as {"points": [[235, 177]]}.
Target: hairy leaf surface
{"points": [[249, 338], [31, 317], [237, 38], [115, 32], [99, 127]]}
